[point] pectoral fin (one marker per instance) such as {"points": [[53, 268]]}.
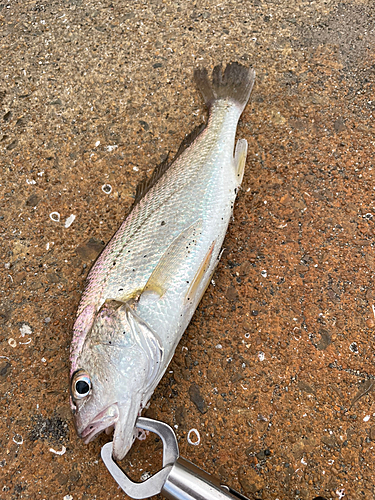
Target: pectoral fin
{"points": [[197, 280], [170, 262], [240, 159], [148, 340]]}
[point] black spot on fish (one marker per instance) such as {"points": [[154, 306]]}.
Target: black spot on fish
{"points": [[162, 223]]}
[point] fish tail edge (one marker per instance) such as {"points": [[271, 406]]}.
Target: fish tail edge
{"points": [[235, 83]]}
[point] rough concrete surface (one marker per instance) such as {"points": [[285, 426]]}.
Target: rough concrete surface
{"points": [[276, 369]]}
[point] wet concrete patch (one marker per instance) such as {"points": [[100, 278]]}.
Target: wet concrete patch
{"points": [[280, 351]]}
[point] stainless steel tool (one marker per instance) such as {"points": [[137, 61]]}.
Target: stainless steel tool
{"points": [[179, 479]]}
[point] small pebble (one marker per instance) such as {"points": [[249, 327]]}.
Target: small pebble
{"points": [[25, 330], [69, 221], [261, 356], [370, 323]]}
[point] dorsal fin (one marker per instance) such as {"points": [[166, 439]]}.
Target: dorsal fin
{"points": [[189, 139], [146, 184]]}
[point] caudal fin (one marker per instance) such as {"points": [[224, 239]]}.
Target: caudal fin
{"points": [[235, 83]]}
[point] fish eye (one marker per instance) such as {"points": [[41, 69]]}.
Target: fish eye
{"points": [[81, 384]]}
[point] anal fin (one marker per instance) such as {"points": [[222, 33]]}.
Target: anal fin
{"points": [[240, 159], [205, 264]]}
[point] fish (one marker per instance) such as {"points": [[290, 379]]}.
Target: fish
{"points": [[143, 289]]}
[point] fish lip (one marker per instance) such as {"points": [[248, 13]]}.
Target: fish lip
{"points": [[106, 418]]}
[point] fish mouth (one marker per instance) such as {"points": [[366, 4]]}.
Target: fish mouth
{"points": [[106, 419], [122, 417]]}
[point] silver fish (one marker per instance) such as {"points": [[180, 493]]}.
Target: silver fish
{"points": [[144, 288]]}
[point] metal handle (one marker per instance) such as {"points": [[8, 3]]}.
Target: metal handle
{"points": [[179, 479], [186, 481]]}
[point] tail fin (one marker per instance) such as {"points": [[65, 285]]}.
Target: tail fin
{"points": [[236, 84]]}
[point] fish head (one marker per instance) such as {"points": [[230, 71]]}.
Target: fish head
{"points": [[113, 375]]}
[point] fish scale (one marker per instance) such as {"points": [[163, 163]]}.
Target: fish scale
{"points": [[144, 288]]}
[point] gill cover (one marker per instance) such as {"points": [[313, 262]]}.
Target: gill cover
{"points": [[116, 369]]}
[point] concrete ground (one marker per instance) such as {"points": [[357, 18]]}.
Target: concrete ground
{"points": [[276, 370]]}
